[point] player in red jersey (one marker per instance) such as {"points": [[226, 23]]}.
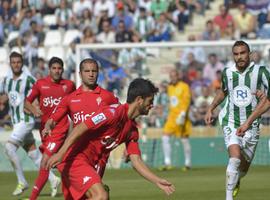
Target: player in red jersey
{"points": [[84, 101], [97, 136], [49, 91]]}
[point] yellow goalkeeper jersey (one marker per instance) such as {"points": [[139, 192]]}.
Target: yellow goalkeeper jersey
{"points": [[180, 98]]}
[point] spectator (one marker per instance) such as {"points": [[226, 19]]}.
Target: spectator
{"points": [[198, 83], [216, 84], [80, 5], [131, 60], [88, 36], [146, 4], [256, 57], [107, 35], [7, 17], [245, 22], [71, 61], [122, 15], [213, 65], [223, 19], [122, 34], [231, 33], [197, 51], [181, 15], [51, 6], [64, 16], [103, 17], [116, 79], [40, 71], [210, 33], [104, 5], [158, 7], [201, 104], [87, 20], [164, 30], [144, 24]]}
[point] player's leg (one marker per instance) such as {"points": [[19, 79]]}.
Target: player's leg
{"points": [[97, 191], [20, 130], [233, 144], [43, 175], [10, 150], [185, 132], [249, 141], [166, 145], [232, 172]]}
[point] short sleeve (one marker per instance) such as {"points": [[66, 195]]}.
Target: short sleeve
{"points": [[132, 144], [34, 93]]}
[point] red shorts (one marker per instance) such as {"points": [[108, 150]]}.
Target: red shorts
{"points": [[77, 177]]}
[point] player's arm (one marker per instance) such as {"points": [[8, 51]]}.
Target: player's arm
{"points": [[220, 96], [260, 109], [145, 172], [76, 133], [32, 109]]}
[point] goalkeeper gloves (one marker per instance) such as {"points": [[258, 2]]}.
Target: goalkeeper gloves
{"points": [[180, 120]]}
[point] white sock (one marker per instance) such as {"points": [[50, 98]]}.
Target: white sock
{"points": [[232, 175], [10, 150], [166, 149], [51, 177], [187, 151], [35, 156]]}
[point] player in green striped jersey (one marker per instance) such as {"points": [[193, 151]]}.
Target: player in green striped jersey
{"points": [[16, 86], [239, 84]]}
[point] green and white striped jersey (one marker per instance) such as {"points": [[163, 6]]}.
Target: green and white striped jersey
{"points": [[17, 90], [240, 101]]}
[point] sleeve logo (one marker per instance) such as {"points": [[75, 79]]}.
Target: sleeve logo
{"points": [[98, 118]]}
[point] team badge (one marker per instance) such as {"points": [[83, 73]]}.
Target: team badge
{"points": [[98, 100], [242, 96], [64, 88]]}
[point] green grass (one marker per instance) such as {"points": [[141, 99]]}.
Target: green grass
{"points": [[197, 184]]}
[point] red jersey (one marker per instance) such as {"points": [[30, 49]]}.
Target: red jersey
{"points": [[49, 95], [107, 128], [81, 104]]}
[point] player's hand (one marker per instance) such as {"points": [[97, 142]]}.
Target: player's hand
{"points": [[166, 186], [47, 130], [260, 94], [181, 118], [53, 161], [208, 117], [242, 129], [38, 113]]}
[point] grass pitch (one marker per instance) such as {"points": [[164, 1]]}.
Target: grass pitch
{"points": [[197, 184]]}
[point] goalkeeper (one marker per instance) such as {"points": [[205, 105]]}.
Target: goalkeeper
{"points": [[178, 123]]}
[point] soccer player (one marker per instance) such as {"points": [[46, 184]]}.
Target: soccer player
{"points": [[239, 82], [49, 91], [16, 85], [97, 136], [83, 102], [178, 122]]}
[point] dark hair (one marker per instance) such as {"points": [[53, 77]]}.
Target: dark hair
{"points": [[15, 55], [88, 60], [241, 43], [56, 60], [140, 87]]}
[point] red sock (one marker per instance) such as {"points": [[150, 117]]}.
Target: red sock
{"points": [[39, 183]]}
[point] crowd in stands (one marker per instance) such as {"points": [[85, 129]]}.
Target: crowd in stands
{"points": [[26, 25]]}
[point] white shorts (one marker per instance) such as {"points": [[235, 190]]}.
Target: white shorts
{"points": [[22, 133], [247, 143]]}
